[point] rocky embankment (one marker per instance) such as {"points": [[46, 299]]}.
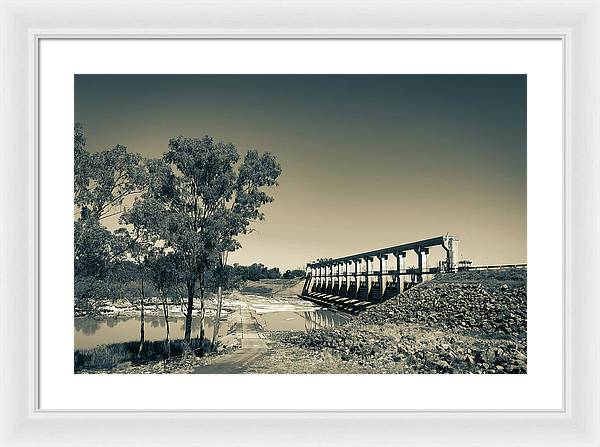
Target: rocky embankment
{"points": [[468, 322]]}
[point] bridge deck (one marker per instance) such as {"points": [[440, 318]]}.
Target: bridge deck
{"points": [[432, 242]]}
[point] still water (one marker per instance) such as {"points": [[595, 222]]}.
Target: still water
{"points": [[90, 332], [300, 321]]}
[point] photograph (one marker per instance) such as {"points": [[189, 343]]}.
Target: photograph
{"points": [[300, 224]]}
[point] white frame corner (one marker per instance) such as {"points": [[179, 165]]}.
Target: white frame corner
{"points": [[23, 23]]}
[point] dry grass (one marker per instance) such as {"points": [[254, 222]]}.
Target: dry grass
{"points": [[106, 357]]}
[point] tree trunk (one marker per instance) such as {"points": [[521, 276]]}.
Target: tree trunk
{"points": [[217, 321], [166, 315], [142, 335], [188, 316], [202, 332]]}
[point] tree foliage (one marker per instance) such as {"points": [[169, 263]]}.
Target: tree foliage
{"points": [[189, 207], [104, 179], [101, 182], [200, 197]]}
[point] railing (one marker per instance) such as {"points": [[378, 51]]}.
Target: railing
{"points": [[409, 271], [492, 267]]}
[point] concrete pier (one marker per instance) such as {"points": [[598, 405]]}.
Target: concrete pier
{"points": [[353, 276], [422, 253]]}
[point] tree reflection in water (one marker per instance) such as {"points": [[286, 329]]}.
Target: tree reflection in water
{"points": [[88, 326], [90, 332]]}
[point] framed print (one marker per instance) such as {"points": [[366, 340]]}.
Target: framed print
{"points": [[307, 231], [334, 322]]}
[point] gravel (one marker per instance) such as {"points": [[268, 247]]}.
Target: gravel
{"points": [[469, 322], [490, 309]]}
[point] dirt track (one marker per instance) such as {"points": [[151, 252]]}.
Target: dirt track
{"points": [[253, 346]]}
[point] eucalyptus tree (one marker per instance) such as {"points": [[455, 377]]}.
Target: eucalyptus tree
{"points": [[236, 213], [207, 198], [142, 239], [166, 278], [104, 179], [102, 182]]}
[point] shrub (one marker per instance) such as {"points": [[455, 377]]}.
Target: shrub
{"points": [[109, 356]]}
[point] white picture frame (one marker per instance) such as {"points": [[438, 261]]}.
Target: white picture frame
{"points": [[23, 24]]}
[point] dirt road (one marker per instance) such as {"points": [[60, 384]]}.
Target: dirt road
{"points": [[253, 345]]}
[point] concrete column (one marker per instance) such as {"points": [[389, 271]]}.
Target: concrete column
{"points": [[400, 268], [342, 275], [331, 276], [307, 277], [422, 253], [382, 277], [397, 275], [320, 278], [357, 271], [451, 246], [347, 268], [368, 269]]}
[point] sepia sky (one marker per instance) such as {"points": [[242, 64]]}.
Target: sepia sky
{"points": [[368, 161]]}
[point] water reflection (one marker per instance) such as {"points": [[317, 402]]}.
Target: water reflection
{"points": [[90, 332], [323, 319], [88, 326], [301, 320]]}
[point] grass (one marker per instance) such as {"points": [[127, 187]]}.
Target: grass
{"points": [[109, 356], [270, 287], [510, 276]]}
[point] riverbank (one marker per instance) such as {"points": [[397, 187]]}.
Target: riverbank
{"points": [[107, 344], [468, 323], [123, 358]]}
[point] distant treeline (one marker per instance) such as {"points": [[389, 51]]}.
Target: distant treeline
{"points": [[123, 281], [256, 272]]}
